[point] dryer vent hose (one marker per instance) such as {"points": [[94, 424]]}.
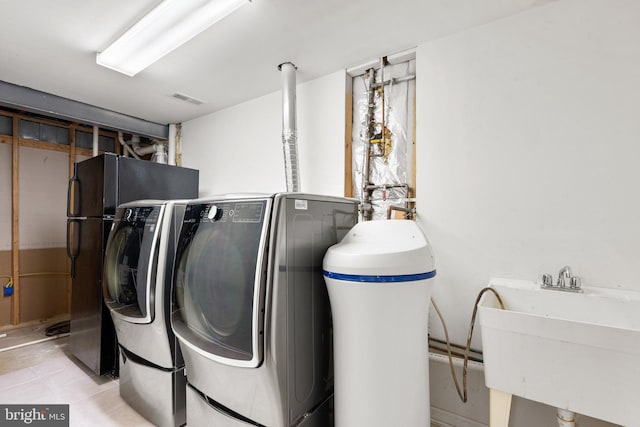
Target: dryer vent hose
{"points": [[289, 127]]}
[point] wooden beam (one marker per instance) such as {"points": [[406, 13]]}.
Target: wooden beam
{"points": [[86, 152], [103, 132], [117, 148], [412, 187], [42, 120], [348, 143], [62, 124], [15, 248], [43, 145]]}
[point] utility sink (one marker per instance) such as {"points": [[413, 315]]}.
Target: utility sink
{"points": [[578, 352]]}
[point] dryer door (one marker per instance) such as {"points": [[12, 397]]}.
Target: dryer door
{"points": [[130, 262], [219, 280]]}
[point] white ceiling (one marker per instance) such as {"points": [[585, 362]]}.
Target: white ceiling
{"points": [[51, 45]]}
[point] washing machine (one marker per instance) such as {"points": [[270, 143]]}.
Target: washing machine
{"points": [[251, 311], [136, 288]]}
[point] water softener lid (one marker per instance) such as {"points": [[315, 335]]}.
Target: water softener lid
{"points": [[395, 249]]}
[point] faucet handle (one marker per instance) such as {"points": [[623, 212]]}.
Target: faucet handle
{"points": [[565, 271], [563, 274], [547, 279], [576, 283]]}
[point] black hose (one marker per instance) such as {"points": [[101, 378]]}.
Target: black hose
{"points": [[58, 328]]}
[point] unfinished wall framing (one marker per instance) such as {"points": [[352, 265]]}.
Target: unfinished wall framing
{"points": [[37, 157], [380, 144]]}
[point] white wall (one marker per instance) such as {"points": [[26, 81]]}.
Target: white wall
{"points": [[527, 154], [240, 149], [528, 147], [527, 144]]}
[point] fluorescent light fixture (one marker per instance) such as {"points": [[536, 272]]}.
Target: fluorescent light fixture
{"points": [[167, 27]]}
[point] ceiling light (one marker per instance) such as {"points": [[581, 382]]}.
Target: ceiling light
{"points": [[168, 26]]}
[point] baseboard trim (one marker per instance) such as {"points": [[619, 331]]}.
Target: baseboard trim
{"points": [[442, 418]]}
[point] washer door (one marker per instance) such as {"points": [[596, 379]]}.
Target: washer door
{"points": [[219, 280], [130, 262]]}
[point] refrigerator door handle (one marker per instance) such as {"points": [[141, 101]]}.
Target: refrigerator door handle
{"points": [[73, 189], [72, 243]]}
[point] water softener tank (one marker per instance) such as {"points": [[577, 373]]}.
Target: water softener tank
{"points": [[379, 279]]}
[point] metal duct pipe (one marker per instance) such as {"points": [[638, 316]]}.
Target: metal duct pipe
{"points": [[289, 130], [96, 139], [159, 154], [172, 144]]}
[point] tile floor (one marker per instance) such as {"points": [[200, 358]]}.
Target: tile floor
{"points": [[46, 373]]}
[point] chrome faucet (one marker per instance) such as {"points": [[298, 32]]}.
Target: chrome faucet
{"points": [[566, 281], [564, 275]]}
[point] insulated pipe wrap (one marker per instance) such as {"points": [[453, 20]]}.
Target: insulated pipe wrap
{"points": [[289, 131]]}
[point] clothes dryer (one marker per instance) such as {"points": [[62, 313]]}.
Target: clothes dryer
{"points": [[136, 288], [251, 311]]}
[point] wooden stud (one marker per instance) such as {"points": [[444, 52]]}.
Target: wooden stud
{"points": [[117, 148], [414, 182], [84, 152], [16, 143], [348, 143], [88, 152], [15, 248], [52, 122], [43, 145], [102, 132]]}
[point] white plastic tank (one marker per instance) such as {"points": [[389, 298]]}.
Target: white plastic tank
{"points": [[379, 279]]}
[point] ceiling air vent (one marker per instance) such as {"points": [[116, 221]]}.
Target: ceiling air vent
{"points": [[189, 99]]}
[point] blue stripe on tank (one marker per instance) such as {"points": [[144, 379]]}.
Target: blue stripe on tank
{"points": [[379, 279]]}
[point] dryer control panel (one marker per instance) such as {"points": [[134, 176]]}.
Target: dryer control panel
{"points": [[240, 211]]}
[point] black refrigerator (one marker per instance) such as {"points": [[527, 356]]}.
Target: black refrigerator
{"points": [[98, 186]]}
